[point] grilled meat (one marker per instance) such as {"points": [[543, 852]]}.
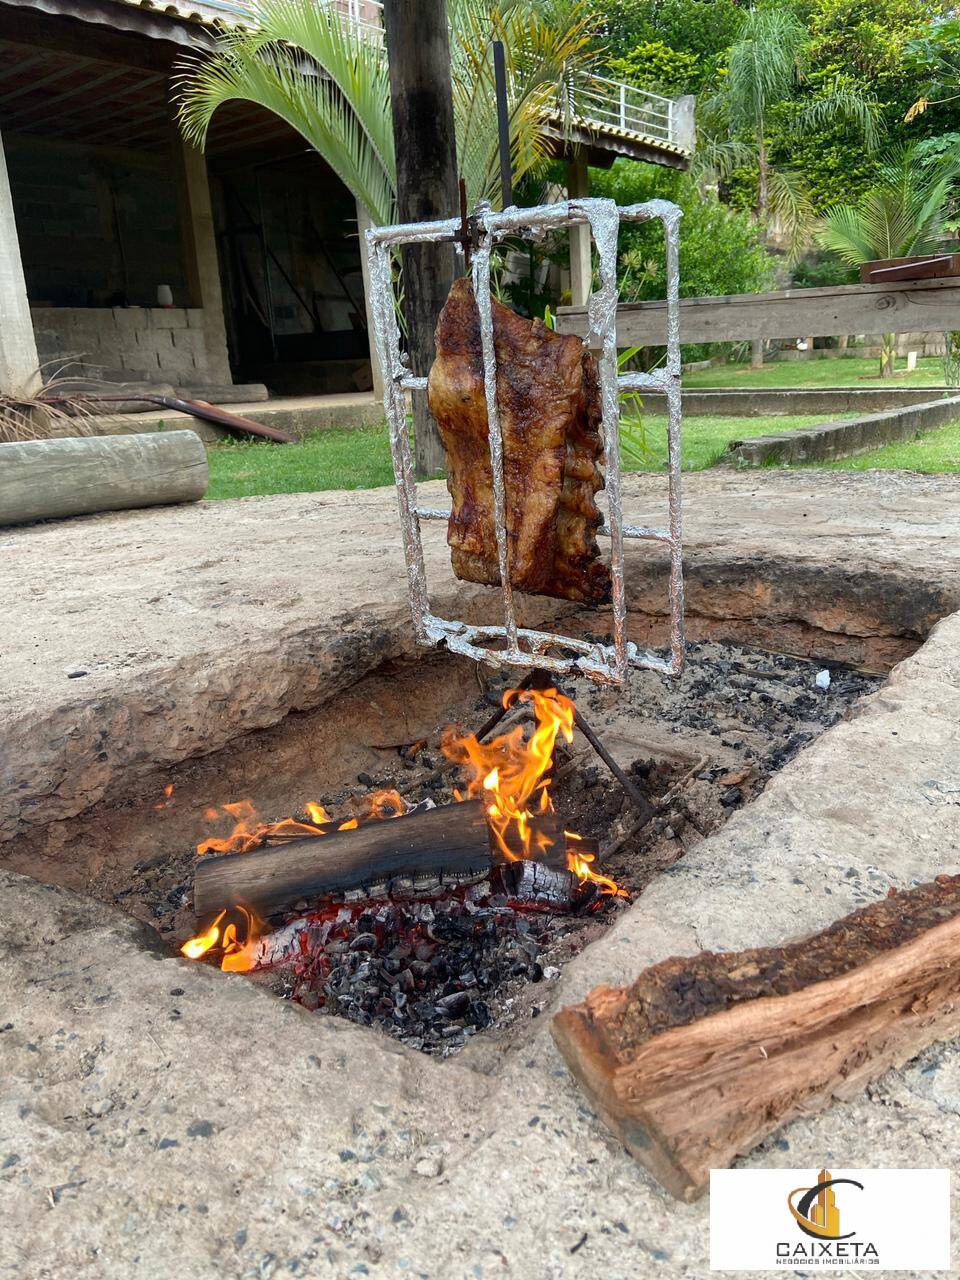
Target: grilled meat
{"points": [[549, 400]]}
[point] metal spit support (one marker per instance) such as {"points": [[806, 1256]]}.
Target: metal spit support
{"points": [[518, 646]]}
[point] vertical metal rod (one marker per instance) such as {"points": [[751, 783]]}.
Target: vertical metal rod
{"points": [[503, 125], [386, 334], [604, 221], [671, 234], [481, 290]]}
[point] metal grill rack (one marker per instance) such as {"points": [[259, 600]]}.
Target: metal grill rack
{"points": [[509, 644]]}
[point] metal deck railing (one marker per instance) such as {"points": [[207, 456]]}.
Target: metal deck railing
{"points": [[603, 105]]}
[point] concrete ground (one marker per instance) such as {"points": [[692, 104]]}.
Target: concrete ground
{"points": [[161, 1118]]}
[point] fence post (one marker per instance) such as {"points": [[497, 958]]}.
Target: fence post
{"points": [[623, 106]]}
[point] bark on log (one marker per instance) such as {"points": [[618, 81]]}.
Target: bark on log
{"points": [[703, 1057], [70, 476], [449, 841]]}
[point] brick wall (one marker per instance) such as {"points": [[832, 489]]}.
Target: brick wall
{"points": [[125, 343]]}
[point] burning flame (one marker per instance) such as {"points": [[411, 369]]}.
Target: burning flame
{"points": [[238, 940], [201, 944], [512, 776], [250, 831]]}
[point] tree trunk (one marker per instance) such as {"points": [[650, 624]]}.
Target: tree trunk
{"points": [[887, 351], [756, 346], [418, 48]]}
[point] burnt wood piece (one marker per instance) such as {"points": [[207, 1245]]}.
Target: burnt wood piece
{"points": [[450, 841], [549, 407], [705, 1056]]}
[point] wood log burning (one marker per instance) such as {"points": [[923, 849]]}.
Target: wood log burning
{"points": [[451, 843], [704, 1056], [549, 405]]}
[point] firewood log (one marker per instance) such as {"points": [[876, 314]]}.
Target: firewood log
{"points": [[705, 1056], [451, 841]]}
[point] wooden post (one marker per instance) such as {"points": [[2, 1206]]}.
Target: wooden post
{"points": [[581, 264], [418, 47]]}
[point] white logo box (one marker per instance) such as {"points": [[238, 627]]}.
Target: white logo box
{"points": [[898, 1221]]}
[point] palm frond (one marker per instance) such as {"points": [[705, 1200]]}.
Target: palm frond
{"points": [[903, 213], [274, 72], [790, 204], [842, 104], [306, 63], [764, 62]]}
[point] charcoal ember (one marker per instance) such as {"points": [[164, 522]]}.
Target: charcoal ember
{"points": [[535, 883], [454, 1004]]}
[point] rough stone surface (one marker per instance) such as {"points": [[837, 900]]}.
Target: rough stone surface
{"points": [[247, 1138], [844, 437], [757, 402], [194, 625]]}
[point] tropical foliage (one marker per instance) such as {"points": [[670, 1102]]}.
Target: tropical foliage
{"points": [[329, 80], [721, 249], [766, 67], [905, 212]]}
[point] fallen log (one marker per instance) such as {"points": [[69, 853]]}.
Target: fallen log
{"points": [[80, 475], [705, 1056], [450, 842]]}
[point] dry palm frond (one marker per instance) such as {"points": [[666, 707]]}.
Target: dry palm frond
{"points": [[56, 410]]}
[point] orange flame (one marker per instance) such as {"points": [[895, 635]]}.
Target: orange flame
{"points": [[201, 944], [580, 863], [238, 956], [511, 775]]}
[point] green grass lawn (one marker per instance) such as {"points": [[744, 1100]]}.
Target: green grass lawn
{"points": [[361, 459], [855, 371], [932, 452]]}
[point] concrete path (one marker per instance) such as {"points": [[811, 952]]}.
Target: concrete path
{"points": [[160, 1118]]}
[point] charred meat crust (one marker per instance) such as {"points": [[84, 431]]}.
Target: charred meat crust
{"points": [[549, 399]]}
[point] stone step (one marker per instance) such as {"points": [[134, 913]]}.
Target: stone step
{"points": [[234, 393]]}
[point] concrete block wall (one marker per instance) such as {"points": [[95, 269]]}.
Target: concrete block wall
{"points": [[153, 344]]}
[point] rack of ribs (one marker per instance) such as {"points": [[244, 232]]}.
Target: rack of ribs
{"points": [[548, 397]]}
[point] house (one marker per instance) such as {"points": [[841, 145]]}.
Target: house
{"points": [[130, 257]]}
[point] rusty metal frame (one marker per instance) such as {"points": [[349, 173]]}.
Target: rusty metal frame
{"points": [[518, 646]]}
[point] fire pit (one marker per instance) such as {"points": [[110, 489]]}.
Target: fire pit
{"points": [[472, 944]]}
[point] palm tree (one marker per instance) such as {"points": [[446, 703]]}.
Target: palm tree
{"points": [[328, 79], [905, 212], [765, 68]]}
